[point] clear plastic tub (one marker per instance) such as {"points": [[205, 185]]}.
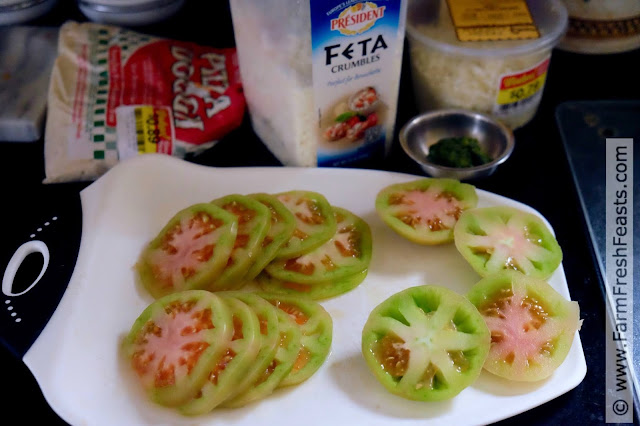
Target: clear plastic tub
{"points": [[602, 26], [504, 78], [299, 73]]}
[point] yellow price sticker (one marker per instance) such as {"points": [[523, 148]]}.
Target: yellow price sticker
{"points": [[154, 127], [487, 20]]}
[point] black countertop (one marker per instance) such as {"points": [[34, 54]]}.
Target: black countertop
{"points": [[537, 174]]}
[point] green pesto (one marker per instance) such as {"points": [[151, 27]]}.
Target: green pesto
{"points": [[458, 152]]}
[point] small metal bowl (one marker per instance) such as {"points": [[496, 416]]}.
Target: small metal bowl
{"points": [[427, 129]]}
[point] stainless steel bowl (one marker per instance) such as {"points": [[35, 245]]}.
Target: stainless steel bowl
{"points": [[427, 129]]}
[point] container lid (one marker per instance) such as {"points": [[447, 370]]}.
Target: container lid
{"points": [[429, 22], [126, 6], [129, 12], [19, 11]]}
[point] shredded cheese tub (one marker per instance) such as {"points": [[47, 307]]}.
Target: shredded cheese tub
{"points": [[492, 57], [116, 93]]}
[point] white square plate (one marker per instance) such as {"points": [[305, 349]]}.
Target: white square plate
{"points": [[76, 359]]}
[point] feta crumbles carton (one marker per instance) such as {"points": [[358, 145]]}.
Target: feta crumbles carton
{"points": [[321, 77]]}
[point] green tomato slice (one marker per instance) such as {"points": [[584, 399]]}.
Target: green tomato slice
{"points": [[493, 239], [317, 332], [191, 250], [175, 342], [425, 343], [345, 254], [283, 223], [425, 211], [269, 330], [315, 222], [280, 366], [316, 291], [532, 326], [234, 363], [254, 220]]}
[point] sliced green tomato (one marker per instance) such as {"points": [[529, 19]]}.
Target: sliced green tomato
{"points": [[253, 224], [317, 332], [233, 364], [315, 222], [425, 343], [283, 223], [278, 368], [316, 291], [532, 325], [496, 238], [345, 254], [426, 210], [176, 341], [190, 251], [270, 332]]}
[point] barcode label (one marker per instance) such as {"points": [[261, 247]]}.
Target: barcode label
{"points": [[139, 130], [514, 105], [144, 129]]}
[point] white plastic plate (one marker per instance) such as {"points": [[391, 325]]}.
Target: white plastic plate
{"points": [[76, 359]]}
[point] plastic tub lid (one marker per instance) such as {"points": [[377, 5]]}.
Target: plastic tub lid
{"points": [[129, 12], [19, 11], [429, 22]]}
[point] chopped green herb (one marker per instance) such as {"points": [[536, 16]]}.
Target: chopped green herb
{"points": [[458, 152], [345, 116]]}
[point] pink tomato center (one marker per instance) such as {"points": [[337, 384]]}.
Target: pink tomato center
{"points": [[170, 346], [433, 209], [185, 248], [518, 335]]}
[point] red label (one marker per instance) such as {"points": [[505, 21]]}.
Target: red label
{"points": [[81, 88], [358, 18], [115, 84], [525, 77], [200, 84]]}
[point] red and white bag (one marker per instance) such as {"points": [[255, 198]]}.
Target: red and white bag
{"points": [[115, 93]]}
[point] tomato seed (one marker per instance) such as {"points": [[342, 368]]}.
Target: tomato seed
{"points": [[267, 241], [395, 199], [244, 214], [267, 372], [193, 351], [263, 324], [203, 254], [221, 365], [303, 358], [165, 376], [296, 314], [428, 377], [460, 362], [510, 358], [237, 328], [303, 288], [300, 234], [241, 241], [328, 263], [547, 349], [392, 355], [295, 266]]}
